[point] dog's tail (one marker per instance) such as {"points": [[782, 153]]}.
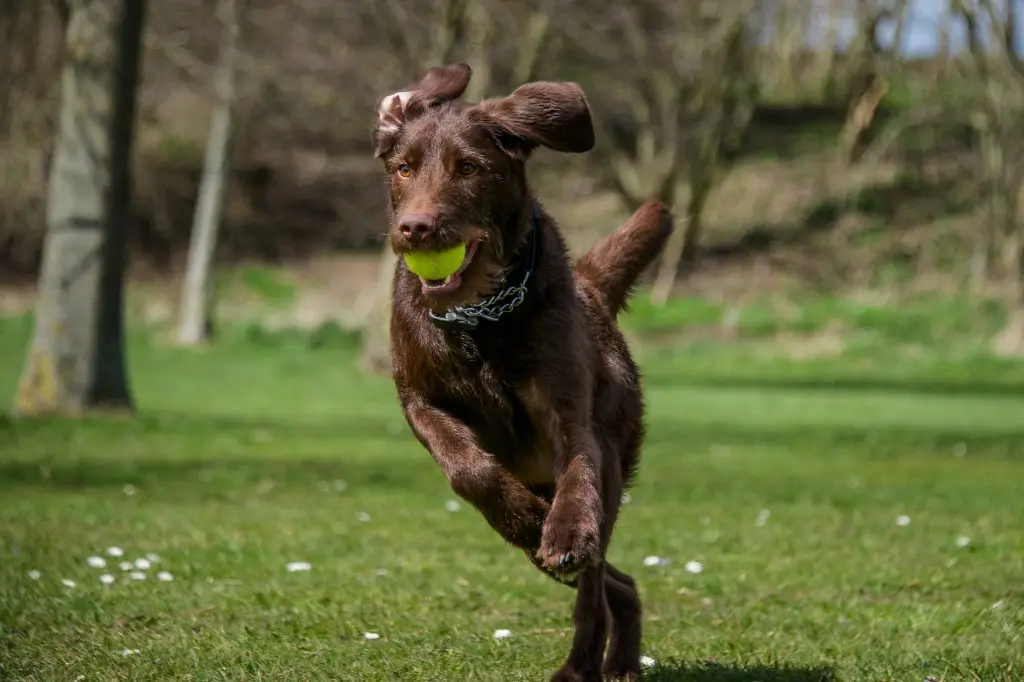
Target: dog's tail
{"points": [[614, 263]]}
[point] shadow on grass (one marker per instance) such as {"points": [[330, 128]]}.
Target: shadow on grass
{"points": [[204, 455], [172, 475], [180, 423], [714, 672], [875, 440], [184, 458], [949, 387]]}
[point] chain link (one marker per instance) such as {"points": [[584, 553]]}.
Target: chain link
{"points": [[487, 309]]}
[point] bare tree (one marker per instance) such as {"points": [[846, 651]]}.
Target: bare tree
{"points": [[196, 323], [871, 69], [789, 22], [683, 77], [996, 109], [76, 356], [968, 10], [992, 92]]}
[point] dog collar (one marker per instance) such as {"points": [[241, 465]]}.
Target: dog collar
{"points": [[501, 303]]}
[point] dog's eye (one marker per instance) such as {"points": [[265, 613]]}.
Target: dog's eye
{"points": [[467, 168], [404, 170]]}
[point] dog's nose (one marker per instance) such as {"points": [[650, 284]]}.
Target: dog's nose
{"points": [[416, 225]]}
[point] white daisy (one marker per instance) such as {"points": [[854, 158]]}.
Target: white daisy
{"points": [[694, 567], [502, 634], [296, 566]]}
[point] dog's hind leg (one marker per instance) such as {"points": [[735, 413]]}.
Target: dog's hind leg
{"points": [[590, 617], [623, 660]]}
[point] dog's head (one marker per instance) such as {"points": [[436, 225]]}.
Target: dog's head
{"points": [[456, 171]]}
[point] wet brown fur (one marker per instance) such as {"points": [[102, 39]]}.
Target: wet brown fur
{"points": [[536, 420]]}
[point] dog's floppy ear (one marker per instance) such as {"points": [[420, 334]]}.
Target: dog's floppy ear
{"points": [[552, 115], [439, 84]]}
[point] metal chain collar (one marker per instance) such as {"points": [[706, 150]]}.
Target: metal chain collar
{"points": [[493, 308], [490, 309]]}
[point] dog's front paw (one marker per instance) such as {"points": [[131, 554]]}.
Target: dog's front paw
{"points": [[570, 542]]}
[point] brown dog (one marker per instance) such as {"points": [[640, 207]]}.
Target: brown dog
{"points": [[512, 372]]}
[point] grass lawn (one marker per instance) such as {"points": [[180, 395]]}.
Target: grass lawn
{"points": [[852, 523]]}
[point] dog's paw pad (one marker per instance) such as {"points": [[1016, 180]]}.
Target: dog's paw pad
{"points": [[555, 557]]}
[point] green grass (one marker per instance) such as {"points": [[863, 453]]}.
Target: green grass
{"points": [[234, 465], [946, 327]]}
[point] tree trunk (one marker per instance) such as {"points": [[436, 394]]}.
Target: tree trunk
{"points": [[1014, 28], [853, 136], [1015, 227], [985, 246], [981, 260], [447, 32], [946, 38], [196, 324], [528, 57], [478, 34], [974, 43], [682, 246], [827, 58], [376, 341], [76, 356]]}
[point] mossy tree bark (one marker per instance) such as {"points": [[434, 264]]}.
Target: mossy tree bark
{"points": [[76, 357]]}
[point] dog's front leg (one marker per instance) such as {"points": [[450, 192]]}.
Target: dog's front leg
{"points": [[572, 532], [476, 476]]}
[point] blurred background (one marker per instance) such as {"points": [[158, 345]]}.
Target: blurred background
{"points": [[845, 148], [833, 339]]}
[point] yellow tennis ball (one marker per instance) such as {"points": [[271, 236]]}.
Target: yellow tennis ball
{"points": [[436, 264]]}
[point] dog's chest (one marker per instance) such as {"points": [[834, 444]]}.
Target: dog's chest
{"points": [[483, 396]]}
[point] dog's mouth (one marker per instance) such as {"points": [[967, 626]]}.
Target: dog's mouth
{"points": [[451, 283]]}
